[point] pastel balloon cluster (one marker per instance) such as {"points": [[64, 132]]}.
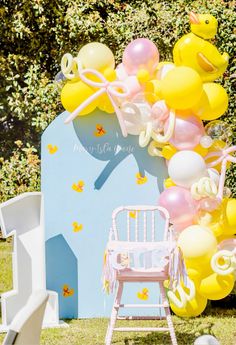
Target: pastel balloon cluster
{"points": [[203, 216], [164, 104]]}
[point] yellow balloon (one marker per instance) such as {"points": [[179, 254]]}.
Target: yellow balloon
{"points": [[143, 75], [225, 237], [104, 104], [216, 287], [230, 211], [229, 206], [197, 243], [168, 151], [194, 51], [197, 272], [97, 56], [213, 103], [110, 74], [193, 308], [202, 151], [153, 90], [217, 228], [204, 25], [181, 88], [74, 93]]}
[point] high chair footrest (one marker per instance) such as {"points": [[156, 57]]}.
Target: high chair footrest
{"points": [[163, 305], [141, 329], [127, 317]]}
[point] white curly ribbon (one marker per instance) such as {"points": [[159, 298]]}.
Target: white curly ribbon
{"points": [[145, 136], [205, 187], [184, 297], [154, 149], [70, 66], [149, 133], [229, 262]]}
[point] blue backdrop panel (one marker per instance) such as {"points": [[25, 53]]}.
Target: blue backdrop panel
{"points": [[88, 169]]}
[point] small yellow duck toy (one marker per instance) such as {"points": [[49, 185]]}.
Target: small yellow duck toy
{"points": [[194, 51]]}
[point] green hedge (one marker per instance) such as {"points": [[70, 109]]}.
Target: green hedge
{"points": [[35, 35]]}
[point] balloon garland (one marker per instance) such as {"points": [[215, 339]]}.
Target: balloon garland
{"points": [[164, 103]]}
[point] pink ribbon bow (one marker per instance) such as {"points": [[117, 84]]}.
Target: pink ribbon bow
{"points": [[223, 157], [104, 86]]}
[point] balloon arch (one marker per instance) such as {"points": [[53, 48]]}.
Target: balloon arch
{"points": [[164, 104]]}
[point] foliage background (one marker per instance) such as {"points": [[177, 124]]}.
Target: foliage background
{"points": [[35, 34]]}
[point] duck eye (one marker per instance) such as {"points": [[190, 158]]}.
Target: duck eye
{"points": [[207, 21]]}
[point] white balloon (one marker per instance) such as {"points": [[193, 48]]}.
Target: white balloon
{"points": [[186, 167], [206, 340]]}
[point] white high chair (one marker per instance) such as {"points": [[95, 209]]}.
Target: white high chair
{"points": [[143, 238]]}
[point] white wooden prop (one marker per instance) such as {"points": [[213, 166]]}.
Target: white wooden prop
{"points": [[23, 218]]}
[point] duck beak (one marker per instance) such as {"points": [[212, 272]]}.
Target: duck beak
{"points": [[193, 17]]}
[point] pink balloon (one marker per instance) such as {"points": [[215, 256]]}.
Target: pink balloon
{"points": [[178, 228], [121, 72], [187, 132], [140, 53], [160, 111], [180, 204], [159, 114]]}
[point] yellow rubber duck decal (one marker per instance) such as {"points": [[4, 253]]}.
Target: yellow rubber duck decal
{"points": [[133, 214], [52, 149], [143, 295], [194, 51], [77, 227], [141, 179], [78, 187], [67, 291], [100, 131]]}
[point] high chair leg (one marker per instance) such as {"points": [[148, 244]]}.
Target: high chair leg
{"points": [[114, 314], [168, 314]]}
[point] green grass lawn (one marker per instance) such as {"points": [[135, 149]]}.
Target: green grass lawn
{"points": [[218, 322]]}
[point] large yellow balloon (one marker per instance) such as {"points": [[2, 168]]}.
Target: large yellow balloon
{"points": [[97, 56], [198, 244], [229, 206], [193, 308], [230, 212], [194, 51], [74, 93], [197, 272], [216, 287], [213, 102], [181, 88]]}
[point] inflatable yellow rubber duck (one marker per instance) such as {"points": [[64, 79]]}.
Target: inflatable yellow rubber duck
{"points": [[194, 51]]}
